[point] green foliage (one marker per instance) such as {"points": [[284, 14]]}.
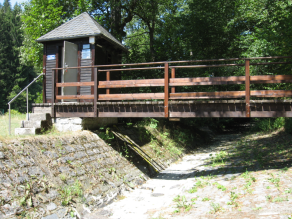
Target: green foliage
{"points": [[70, 192], [268, 124], [14, 75], [106, 134]]}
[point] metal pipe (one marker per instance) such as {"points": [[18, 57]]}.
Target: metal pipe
{"points": [[9, 120], [27, 104], [25, 88]]}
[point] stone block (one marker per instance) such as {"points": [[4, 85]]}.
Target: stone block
{"points": [[25, 131], [2, 155], [52, 206]]}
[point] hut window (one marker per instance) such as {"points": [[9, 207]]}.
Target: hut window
{"points": [[86, 54]]}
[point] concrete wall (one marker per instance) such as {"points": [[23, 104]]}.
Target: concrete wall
{"points": [[78, 124]]}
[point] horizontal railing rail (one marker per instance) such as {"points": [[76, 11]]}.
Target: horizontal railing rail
{"points": [[169, 80]]}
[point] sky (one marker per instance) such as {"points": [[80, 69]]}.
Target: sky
{"points": [[12, 2]]}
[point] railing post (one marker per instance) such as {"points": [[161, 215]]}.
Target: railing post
{"points": [[9, 119], [173, 76], [53, 93], [247, 88], [108, 79], [95, 92], [166, 91], [27, 104]]}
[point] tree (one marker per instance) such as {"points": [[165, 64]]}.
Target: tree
{"points": [[14, 76]]}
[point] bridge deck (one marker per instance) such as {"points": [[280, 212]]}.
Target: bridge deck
{"points": [[177, 109], [227, 103]]}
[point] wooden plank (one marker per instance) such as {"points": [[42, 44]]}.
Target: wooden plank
{"points": [[78, 64], [271, 114], [131, 83], [75, 84], [233, 114], [172, 77], [208, 95], [131, 114], [92, 64], [74, 114], [77, 97], [56, 72], [207, 81], [135, 96], [95, 92], [53, 94], [265, 79], [44, 71], [247, 88], [271, 93], [166, 89]]}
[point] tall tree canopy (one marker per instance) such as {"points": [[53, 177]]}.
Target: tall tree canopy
{"points": [[158, 30], [13, 74]]}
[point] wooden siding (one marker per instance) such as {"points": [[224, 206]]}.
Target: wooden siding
{"points": [[85, 76], [51, 50]]}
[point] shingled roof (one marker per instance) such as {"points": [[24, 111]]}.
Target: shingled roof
{"points": [[81, 26]]}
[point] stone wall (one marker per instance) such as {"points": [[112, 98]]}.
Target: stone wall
{"points": [[61, 177]]}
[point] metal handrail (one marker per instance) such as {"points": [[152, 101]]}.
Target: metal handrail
{"points": [[26, 88]]}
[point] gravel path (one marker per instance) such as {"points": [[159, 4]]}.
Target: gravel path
{"points": [[213, 183]]}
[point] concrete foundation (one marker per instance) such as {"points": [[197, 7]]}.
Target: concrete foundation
{"points": [[78, 124]]}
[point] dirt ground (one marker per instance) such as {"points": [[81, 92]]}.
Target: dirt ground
{"points": [[235, 176]]}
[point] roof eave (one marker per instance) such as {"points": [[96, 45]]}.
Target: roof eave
{"points": [[65, 38], [81, 36]]}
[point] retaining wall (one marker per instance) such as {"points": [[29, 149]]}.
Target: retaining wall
{"points": [[35, 173]]}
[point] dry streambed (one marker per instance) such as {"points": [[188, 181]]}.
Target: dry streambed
{"points": [[236, 176]]}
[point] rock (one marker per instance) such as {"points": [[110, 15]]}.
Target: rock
{"points": [[51, 206], [2, 156], [157, 194], [52, 216], [62, 212]]}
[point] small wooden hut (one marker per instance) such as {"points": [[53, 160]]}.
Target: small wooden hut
{"points": [[79, 42]]}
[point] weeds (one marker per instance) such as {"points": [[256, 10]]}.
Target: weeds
{"points": [[215, 207], [70, 192], [182, 204], [219, 159], [280, 199], [233, 196], [274, 180], [199, 184], [219, 186]]}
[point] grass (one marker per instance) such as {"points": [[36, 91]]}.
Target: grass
{"points": [[15, 123], [16, 119]]}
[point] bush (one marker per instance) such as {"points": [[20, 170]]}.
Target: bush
{"points": [[13, 112], [268, 124]]}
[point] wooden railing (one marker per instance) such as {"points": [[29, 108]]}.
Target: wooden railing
{"points": [[173, 82]]}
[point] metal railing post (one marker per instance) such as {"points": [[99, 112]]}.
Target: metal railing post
{"points": [[27, 104], [24, 89], [9, 119]]}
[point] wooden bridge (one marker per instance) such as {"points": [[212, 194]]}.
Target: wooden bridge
{"points": [[172, 104]]}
